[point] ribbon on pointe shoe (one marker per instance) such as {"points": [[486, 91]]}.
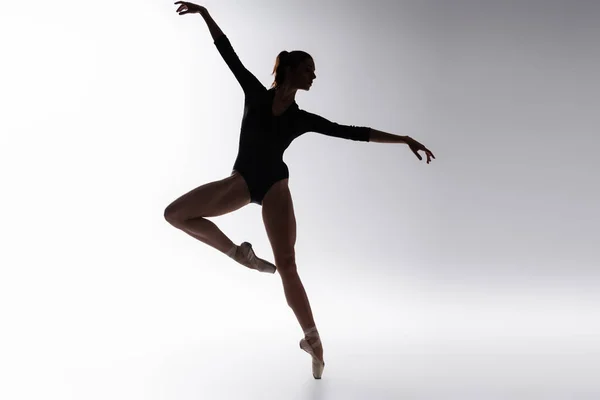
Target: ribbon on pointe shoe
{"points": [[313, 333]]}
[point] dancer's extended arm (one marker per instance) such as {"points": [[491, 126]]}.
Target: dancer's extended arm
{"points": [[214, 29], [316, 123], [185, 7], [384, 137], [246, 79]]}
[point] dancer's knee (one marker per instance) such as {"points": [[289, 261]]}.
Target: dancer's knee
{"points": [[287, 267], [174, 216]]}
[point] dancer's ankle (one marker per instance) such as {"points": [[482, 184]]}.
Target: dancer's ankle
{"points": [[233, 252], [311, 332]]}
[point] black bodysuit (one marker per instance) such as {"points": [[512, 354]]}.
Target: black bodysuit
{"points": [[264, 137]]}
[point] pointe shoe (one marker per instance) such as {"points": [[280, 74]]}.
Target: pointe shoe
{"points": [[317, 365], [249, 259]]}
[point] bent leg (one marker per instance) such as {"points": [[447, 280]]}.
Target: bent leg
{"points": [[189, 211], [210, 200]]}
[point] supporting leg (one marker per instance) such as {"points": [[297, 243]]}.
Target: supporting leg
{"points": [[280, 223], [298, 301]]}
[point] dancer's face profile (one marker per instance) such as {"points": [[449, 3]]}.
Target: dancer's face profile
{"points": [[304, 74]]}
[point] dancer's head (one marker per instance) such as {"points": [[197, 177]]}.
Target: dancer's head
{"points": [[295, 69]]}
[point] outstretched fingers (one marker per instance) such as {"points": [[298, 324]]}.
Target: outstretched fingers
{"points": [[414, 150], [190, 8], [428, 153], [182, 8]]}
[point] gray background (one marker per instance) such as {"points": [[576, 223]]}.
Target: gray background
{"points": [[472, 277]]}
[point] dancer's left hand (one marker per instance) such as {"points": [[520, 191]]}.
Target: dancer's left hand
{"points": [[416, 146], [190, 8]]}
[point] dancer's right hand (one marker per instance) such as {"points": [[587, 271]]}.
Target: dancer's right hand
{"points": [[189, 8]]}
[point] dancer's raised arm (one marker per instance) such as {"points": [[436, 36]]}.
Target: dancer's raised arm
{"points": [[245, 78], [191, 8]]}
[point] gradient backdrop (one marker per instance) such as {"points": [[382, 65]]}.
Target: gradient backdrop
{"points": [[474, 277]]}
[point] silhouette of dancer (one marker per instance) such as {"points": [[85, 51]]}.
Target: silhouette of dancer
{"points": [[271, 121]]}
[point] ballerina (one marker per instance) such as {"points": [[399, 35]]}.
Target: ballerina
{"points": [[271, 121]]}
